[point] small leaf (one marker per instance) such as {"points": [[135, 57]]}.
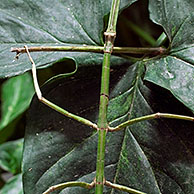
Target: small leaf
{"points": [[11, 156], [16, 96], [13, 186]]}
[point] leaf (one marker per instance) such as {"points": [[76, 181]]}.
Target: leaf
{"points": [[154, 153], [13, 186], [144, 156], [176, 17], [87, 80], [11, 156], [175, 72], [175, 75], [16, 96], [48, 24]]}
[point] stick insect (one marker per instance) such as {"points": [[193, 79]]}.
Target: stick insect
{"points": [[102, 126]]}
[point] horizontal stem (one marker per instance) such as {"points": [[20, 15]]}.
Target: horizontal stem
{"points": [[69, 184], [123, 188], [149, 117], [98, 49], [140, 50], [84, 48]]}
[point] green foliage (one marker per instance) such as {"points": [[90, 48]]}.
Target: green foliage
{"points": [[13, 186], [14, 102], [152, 156], [63, 23], [10, 160], [175, 72], [10, 156]]}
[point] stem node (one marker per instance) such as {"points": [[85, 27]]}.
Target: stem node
{"points": [[109, 41]]}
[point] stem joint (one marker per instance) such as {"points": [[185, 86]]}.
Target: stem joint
{"points": [[106, 95], [109, 41]]}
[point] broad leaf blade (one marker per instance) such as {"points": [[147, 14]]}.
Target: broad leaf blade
{"points": [[175, 72], [143, 156], [77, 142], [150, 150], [175, 75], [48, 24], [133, 167]]}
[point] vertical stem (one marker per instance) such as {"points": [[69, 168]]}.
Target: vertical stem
{"points": [[110, 35], [102, 124]]}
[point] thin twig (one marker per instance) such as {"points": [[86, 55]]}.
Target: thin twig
{"points": [[70, 184], [123, 188], [161, 40], [97, 49], [34, 75], [139, 31], [52, 105], [149, 117]]}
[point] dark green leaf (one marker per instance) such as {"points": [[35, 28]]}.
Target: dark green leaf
{"points": [[13, 186], [154, 152], [144, 156], [175, 75], [175, 72], [154, 157], [50, 24], [66, 134], [176, 17], [11, 156]]}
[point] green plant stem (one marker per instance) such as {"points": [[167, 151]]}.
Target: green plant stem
{"points": [[110, 35], [69, 184], [140, 50], [102, 124], [123, 188], [141, 33], [161, 40], [149, 117], [52, 105], [97, 49], [68, 114]]}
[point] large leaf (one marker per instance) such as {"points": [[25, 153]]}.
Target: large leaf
{"points": [[11, 156], [175, 72], [86, 84], [145, 156], [156, 156], [48, 23]]}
